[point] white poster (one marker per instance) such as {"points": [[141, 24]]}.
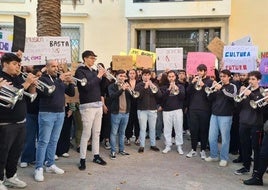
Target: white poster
{"points": [[245, 41], [240, 59], [40, 49], [169, 58]]}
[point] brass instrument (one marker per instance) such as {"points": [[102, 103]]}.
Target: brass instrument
{"points": [[11, 101], [153, 88], [133, 93], [241, 95], [258, 103], [197, 84], [174, 89], [10, 96], [82, 81], [40, 85], [109, 75], [212, 89]]}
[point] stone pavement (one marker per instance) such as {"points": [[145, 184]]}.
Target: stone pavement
{"points": [[147, 171]]}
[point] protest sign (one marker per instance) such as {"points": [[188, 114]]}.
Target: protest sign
{"points": [[40, 49], [216, 47], [6, 39], [144, 61], [264, 71], [240, 59], [245, 41], [124, 62], [169, 58], [196, 58], [135, 52]]}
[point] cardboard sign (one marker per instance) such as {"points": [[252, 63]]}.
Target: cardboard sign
{"points": [[6, 39], [264, 54], [135, 52], [74, 99], [245, 41], [264, 71], [196, 58], [124, 62], [144, 61], [40, 49], [216, 47], [240, 59], [19, 33], [169, 58]]}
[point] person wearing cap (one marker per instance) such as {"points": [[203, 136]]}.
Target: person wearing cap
{"points": [[91, 107], [12, 122]]}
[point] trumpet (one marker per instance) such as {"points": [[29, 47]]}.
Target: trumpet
{"points": [[197, 84], [133, 93], [258, 103], [263, 91], [82, 81], [212, 89], [174, 89], [241, 96], [109, 75], [40, 85], [11, 101], [153, 88]]}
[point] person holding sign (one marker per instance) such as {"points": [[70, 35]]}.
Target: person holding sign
{"points": [[199, 111], [172, 103], [147, 108], [222, 100]]}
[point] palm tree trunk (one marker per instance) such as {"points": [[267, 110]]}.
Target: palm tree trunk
{"points": [[49, 18]]}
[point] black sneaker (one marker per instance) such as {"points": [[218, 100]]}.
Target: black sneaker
{"points": [[253, 181], [82, 165], [112, 156], [107, 145], [157, 138], [154, 148], [123, 153], [141, 150], [99, 160], [241, 171]]}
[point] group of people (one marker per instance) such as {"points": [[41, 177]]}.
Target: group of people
{"points": [[126, 103]]}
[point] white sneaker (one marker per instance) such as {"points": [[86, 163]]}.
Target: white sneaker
{"points": [[191, 154], [14, 182], [56, 157], [179, 149], [65, 155], [166, 150], [223, 163], [38, 174], [23, 164], [209, 159], [203, 155], [54, 169], [2, 186]]}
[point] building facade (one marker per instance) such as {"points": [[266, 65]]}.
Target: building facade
{"points": [[114, 26]]}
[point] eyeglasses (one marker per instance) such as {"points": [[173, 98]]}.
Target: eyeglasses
{"points": [[222, 76]]}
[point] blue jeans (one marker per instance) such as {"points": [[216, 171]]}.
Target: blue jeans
{"points": [[118, 125], [28, 154], [50, 125], [144, 116], [220, 124]]}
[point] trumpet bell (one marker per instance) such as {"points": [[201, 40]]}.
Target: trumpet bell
{"points": [[135, 94], [238, 98], [51, 89], [253, 104], [32, 96], [83, 81]]}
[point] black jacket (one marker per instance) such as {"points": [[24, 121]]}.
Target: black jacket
{"points": [[54, 102], [223, 100], [114, 94], [91, 92]]}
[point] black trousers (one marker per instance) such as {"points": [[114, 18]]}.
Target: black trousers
{"points": [[199, 127], [250, 138], [63, 145], [105, 126], [133, 123], [263, 158], [12, 139], [234, 136]]}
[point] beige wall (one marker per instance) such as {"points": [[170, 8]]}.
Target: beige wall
{"points": [[248, 17]]}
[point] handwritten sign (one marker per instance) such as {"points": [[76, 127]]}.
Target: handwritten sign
{"points": [[135, 52], [264, 54], [6, 39], [40, 49], [196, 58], [245, 41], [169, 58], [216, 47], [264, 71], [240, 59], [144, 61], [124, 62]]}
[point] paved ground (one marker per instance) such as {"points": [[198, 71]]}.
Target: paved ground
{"points": [[147, 171]]}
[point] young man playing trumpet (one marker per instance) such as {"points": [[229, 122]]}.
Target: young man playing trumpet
{"points": [[172, 103], [12, 120], [120, 107], [250, 123]]}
